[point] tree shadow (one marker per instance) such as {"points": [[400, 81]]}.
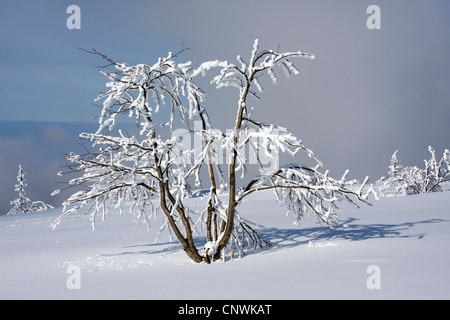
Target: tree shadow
{"points": [[152, 248], [349, 230]]}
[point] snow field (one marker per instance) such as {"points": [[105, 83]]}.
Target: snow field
{"points": [[405, 237]]}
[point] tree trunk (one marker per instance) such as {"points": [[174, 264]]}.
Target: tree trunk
{"points": [[232, 175]]}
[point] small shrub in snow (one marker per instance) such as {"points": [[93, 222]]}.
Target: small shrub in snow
{"points": [[413, 180], [22, 203]]}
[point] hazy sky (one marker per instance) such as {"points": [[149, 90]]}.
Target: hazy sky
{"points": [[367, 93]]}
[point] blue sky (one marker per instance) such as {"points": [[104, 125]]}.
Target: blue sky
{"points": [[367, 93]]}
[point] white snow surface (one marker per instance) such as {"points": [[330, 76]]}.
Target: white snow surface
{"points": [[406, 237]]}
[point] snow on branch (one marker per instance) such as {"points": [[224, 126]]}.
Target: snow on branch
{"points": [[140, 90], [239, 76], [304, 190]]}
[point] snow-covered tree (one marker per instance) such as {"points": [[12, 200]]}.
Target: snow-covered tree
{"points": [[413, 180], [436, 173], [22, 203], [157, 173]]}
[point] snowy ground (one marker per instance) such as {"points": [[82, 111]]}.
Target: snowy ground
{"points": [[407, 238]]}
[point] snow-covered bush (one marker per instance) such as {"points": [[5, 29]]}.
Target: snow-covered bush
{"points": [[152, 172], [22, 203], [413, 180]]}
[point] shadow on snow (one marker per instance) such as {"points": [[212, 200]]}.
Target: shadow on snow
{"points": [[349, 230]]}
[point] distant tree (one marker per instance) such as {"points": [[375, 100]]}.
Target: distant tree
{"points": [[22, 203], [437, 173], [151, 173], [413, 180]]}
